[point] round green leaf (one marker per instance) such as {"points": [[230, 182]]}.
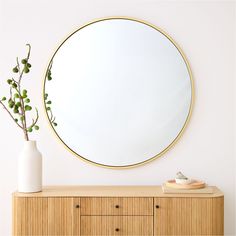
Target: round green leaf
{"points": [[14, 85], [24, 61], [11, 104], [15, 70], [27, 100], [36, 127], [28, 108], [18, 104], [9, 81], [16, 110], [30, 129], [26, 69]]}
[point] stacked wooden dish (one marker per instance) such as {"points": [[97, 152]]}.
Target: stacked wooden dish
{"points": [[194, 184], [182, 184]]}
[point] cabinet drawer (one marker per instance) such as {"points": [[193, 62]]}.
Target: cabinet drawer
{"points": [[116, 206], [116, 225]]}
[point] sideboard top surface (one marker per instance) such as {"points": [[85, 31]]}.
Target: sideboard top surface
{"points": [[112, 191]]}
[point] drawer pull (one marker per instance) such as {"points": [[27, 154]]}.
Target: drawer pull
{"points": [[77, 206], [117, 206], [117, 229], [157, 206]]}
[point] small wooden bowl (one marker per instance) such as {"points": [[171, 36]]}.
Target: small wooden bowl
{"points": [[196, 184]]}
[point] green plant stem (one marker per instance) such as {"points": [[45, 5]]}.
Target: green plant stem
{"points": [[10, 113], [18, 100], [36, 120], [23, 121]]}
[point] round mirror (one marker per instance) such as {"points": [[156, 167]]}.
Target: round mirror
{"points": [[118, 92]]}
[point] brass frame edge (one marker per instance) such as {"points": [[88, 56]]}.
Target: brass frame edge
{"points": [[190, 108]]}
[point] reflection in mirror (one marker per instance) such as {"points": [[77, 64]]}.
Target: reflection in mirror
{"points": [[47, 101], [121, 92]]}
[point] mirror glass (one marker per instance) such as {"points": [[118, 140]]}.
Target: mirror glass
{"points": [[118, 92]]}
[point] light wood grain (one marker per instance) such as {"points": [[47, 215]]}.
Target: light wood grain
{"points": [[76, 216], [107, 225], [96, 214], [60, 216], [207, 216], [30, 216], [111, 191], [172, 217], [116, 206], [42, 216], [189, 216], [218, 216]]}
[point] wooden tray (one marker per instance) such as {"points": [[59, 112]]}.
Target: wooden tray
{"points": [[196, 184]]}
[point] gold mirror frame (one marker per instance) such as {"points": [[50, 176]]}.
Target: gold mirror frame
{"points": [[187, 119]]}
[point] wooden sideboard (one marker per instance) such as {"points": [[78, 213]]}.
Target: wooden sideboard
{"points": [[116, 210]]}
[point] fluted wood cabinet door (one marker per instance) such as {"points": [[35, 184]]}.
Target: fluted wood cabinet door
{"points": [[207, 216], [189, 216], [43, 216], [172, 216]]}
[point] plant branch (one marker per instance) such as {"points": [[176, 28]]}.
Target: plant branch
{"points": [[14, 81], [36, 120], [22, 106], [10, 113], [18, 99], [51, 115], [11, 92], [18, 64]]}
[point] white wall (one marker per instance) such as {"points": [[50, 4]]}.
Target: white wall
{"points": [[204, 30]]}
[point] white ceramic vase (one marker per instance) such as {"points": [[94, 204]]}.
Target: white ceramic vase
{"points": [[30, 169]]}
